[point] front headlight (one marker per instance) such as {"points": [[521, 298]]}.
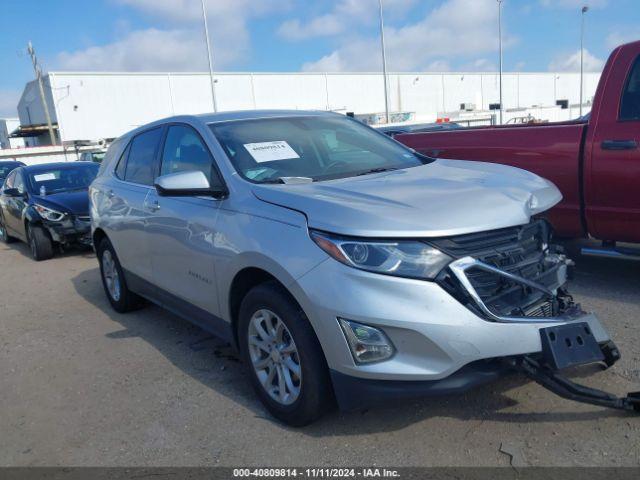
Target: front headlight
{"points": [[403, 258], [48, 213]]}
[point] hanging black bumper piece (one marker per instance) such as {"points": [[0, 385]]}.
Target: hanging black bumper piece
{"points": [[551, 380]]}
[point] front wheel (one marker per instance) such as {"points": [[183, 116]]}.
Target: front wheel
{"points": [[285, 361], [40, 243]]}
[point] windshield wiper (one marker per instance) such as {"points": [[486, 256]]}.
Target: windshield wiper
{"points": [[376, 170], [289, 180]]}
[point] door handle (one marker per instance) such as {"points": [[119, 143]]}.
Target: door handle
{"points": [[619, 145]]}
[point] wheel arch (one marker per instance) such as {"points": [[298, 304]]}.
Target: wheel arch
{"points": [[243, 281], [251, 276], [31, 217], [97, 236]]}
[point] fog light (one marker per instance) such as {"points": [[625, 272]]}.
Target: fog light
{"points": [[367, 344]]}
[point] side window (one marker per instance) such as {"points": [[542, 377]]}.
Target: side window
{"points": [[122, 163], [140, 163], [19, 182], [8, 183], [630, 104], [184, 151]]}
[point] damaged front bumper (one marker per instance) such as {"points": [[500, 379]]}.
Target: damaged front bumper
{"points": [[71, 230], [566, 340]]}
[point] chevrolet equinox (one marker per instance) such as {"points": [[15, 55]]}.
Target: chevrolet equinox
{"points": [[342, 265]]}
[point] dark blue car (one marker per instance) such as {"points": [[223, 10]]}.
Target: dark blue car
{"points": [[6, 167], [48, 204]]}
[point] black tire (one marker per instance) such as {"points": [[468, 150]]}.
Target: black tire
{"points": [[316, 394], [4, 235], [125, 300], [40, 243]]}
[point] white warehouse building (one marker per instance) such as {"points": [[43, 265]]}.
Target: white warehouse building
{"points": [[92, 106]]}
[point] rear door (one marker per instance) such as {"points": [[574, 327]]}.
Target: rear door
{"points": [[135, 172], [612, 175], [182, 230]]}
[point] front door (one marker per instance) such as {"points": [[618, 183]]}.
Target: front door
{"points": [[613, 172], [15, 206], [182, 230]]}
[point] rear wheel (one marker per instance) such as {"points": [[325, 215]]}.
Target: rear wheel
{"points": [[115, 286], [40, 243], [285, 361], [4, 235]]}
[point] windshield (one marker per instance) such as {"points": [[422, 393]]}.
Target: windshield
{"points": [[62, 179], [317, 148]]}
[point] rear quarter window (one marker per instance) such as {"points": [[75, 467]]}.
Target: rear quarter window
{"points": [[630, 102], [110, 156], [142, 155], [122, 164]]}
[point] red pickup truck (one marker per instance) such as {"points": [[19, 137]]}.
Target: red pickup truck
{"points": [[594, 161]]}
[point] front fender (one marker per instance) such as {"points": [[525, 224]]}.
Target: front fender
{"points": [[31, 216]]}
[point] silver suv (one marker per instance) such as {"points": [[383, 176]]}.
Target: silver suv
{"points": [[343, 265]]}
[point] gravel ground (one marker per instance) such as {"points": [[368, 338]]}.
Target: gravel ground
{"points": [[83, 385]]}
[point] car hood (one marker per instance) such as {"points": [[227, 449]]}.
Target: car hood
{"points": [[445, 197], [76, 202]]}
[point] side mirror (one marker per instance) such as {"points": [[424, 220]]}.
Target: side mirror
{"points": [[188, 184], [12, 192]]}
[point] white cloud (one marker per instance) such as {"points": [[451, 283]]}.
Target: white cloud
{"points": [[577, 4], [438, 66], [618, 38], [9, 103], [142, 50], [356, 55], [180, 45], [479, 65], [455, 28], [571, 63], [324, 25], [342, 17], [220, 10]]}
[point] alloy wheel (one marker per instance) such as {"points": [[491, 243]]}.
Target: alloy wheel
{"points": [[274, 357], [110, 275]]}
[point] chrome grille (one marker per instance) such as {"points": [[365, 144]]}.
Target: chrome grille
{"points": [[516, 250]]}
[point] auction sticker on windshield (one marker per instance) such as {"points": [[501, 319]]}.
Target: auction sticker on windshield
{"points": [[270, 151], [43, 177]]}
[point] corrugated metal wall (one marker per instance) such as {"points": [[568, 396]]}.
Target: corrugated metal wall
{"points": [[89, 106]]}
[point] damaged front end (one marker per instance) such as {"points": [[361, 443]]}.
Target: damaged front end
{"points": [[509, 275], [515, 275]]}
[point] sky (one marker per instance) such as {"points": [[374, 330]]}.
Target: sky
{"points": [[304, 35]]}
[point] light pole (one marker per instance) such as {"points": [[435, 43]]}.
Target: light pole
{"points": [[209, 57], [500, 53], [384, 65], [45, 105], [584, 10]]}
